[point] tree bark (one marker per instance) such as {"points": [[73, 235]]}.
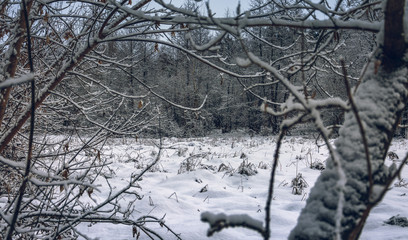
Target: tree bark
{"points": [[339, 210]]}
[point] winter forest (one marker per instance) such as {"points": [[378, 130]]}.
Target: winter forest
{"points": [[147, 119]]}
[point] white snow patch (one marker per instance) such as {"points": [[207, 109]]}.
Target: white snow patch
{"points": [[180, 198]]}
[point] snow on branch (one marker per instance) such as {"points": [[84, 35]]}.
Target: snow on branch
{"points": [[255, 21], [56, 180], [16, 81], [188, 52], [220, 221], [210, 45]]}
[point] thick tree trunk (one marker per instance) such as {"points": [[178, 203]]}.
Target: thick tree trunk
{"points": [[339, 205]]}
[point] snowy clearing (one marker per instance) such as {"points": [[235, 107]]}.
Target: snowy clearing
{"points": [[204, 174]]}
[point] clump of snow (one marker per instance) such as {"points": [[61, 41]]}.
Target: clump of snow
{"points": [[243, 62], [194, 162]]}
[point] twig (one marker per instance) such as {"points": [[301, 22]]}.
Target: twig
{"points": [[267, 232], [175, 194]]}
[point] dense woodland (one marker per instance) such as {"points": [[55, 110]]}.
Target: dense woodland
{"points": [[99, 69], [232, 102]]}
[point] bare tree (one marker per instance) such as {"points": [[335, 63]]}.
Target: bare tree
{"points": [[356, 178], [65, 51]]}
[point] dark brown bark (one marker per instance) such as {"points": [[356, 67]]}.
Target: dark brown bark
{"points": [[5, 95], [394, 42]]}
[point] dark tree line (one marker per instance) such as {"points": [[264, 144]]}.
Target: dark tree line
{"points": [[233, 102]]}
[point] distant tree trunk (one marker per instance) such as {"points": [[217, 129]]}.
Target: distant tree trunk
{"points": [[342, 198], [131, 77]]}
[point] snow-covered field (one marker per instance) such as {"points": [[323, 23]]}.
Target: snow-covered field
{"points": [[202, 174]]}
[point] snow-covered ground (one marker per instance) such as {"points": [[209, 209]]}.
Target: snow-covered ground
{"points": [[202, 174]]}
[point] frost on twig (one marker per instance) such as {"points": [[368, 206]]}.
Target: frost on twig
{"points": [[220, 221], [15, 81]]}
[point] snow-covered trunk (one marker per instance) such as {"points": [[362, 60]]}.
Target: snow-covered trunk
{"points": [[337, 209], [379, 101]]}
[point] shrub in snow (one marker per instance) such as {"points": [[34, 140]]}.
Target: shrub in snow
{"points": [[397, 221], [299, 184], [401, 183], [193, 162], [247, 168], [392, 155], [317, 166], [263, 165], [227, 169], [181, 152], [223, 167], [207, 167], [204, 189]]}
